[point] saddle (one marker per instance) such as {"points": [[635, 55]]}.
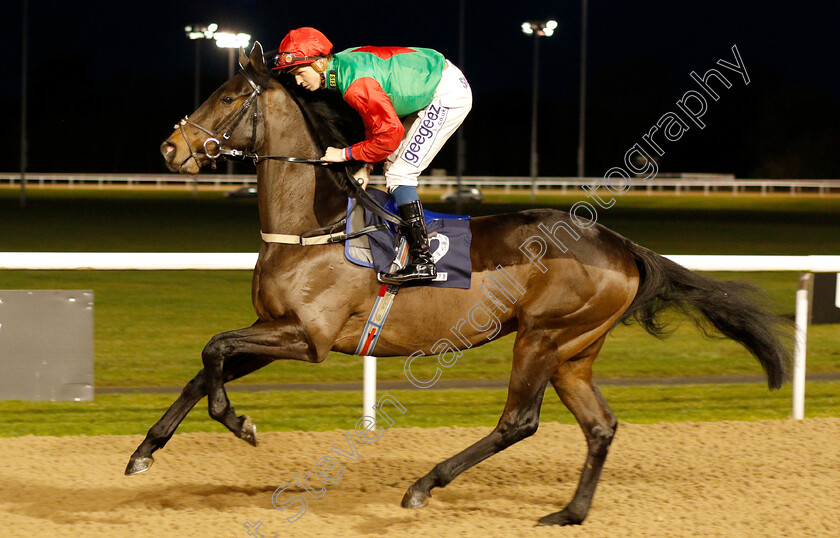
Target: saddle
{"points": [[449, 242]]}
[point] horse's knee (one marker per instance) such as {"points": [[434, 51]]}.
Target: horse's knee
{"points": [[599, 438], [214, 352], [517, 430]]}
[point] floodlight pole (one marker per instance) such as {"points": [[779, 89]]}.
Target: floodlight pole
{"points": [[536, 29], [231, 59], [459, 145], [534, 158], [197, 33], [197, 79], [582, 117], [231, 62], [23, 90]]}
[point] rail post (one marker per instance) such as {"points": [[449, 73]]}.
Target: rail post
{"points": [[803, 310], [369, 389]]}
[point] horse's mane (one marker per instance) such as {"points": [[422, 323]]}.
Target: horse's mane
{"points": [[330, 120]]}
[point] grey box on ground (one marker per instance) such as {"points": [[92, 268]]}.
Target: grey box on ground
{"points": [[46, 345]]}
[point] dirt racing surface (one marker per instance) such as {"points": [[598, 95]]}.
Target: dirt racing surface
{"points": [[772, 478]]}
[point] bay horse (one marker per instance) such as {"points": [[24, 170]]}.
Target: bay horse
{"points": [[310, 300]]}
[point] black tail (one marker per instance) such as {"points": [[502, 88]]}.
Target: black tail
{"points": [[729, 306]]}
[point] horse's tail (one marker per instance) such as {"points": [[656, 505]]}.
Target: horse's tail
{"points": [[729, 306]]}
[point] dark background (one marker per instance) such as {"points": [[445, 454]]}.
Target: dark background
{"points": [[108, 79]]}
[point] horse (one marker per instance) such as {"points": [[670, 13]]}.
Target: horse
{"points": [[309, 300]]}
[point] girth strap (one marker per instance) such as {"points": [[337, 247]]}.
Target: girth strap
{"points": [[324, 239]]}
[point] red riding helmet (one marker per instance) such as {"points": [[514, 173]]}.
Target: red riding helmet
{"points": [[302, 46]]}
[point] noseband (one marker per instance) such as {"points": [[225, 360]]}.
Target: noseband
{"points": [[212, 145]]}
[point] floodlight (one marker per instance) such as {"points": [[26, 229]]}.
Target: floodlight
{"points": [[227, 40], [540, 28]]}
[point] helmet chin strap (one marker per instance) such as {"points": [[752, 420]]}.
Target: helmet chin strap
{"points": [[320, 67]]}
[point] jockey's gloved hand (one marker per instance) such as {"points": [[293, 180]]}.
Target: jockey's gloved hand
{"points": [[363, 175], [334, 155]]}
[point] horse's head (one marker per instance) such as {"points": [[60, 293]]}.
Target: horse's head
{"points": [[226, 120]]}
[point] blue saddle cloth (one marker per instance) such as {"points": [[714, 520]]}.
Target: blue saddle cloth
{"points": [[449, 242]]}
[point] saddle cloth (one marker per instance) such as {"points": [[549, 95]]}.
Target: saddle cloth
{"points": [[449, 242]]}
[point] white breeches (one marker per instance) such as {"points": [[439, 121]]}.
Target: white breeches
{"points": [[427, 130]]}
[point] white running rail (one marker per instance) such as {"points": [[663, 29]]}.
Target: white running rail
{"points": [[708, 184], [155, 261]]}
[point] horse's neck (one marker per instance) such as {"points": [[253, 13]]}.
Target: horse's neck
{"points": [[293, 198]]}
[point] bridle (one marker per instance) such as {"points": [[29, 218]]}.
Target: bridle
{"points": [[229, 125], [226, 128]]}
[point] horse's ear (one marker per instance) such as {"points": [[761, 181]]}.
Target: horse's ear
{"points": [[257, 58], [243, 58]]}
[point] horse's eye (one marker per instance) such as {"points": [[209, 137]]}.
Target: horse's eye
{"points": [[227, 99]]}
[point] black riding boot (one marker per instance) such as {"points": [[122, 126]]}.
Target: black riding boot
{"points": [[419, 265]]}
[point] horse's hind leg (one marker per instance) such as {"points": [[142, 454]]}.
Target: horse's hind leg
{"points": [[573, 383], [520, 419], [195, 390]]}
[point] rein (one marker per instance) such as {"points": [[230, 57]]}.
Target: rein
{"points": [[229, 125]]}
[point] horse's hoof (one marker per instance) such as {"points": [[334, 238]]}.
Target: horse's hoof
{"points": [[415, 499], [248, 431], [564, 517], [137, 465]]}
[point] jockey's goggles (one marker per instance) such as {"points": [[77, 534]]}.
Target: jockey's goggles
{"points": [[285, 60]]}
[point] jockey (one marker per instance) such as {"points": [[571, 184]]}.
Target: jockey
{"points": [[385, 84]]}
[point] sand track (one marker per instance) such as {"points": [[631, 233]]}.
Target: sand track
{"points": [[771, 478]]}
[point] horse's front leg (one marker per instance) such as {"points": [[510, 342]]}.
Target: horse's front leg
{"points": [[164, 428], [226, 357], [266, 340]]}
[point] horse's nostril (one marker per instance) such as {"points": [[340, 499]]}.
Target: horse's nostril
{"points": [[168, 150]]}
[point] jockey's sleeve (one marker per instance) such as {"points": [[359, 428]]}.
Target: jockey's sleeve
{"points": [[383, 129]]}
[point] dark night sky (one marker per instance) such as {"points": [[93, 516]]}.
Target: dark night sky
{"points": [[108, 79]]}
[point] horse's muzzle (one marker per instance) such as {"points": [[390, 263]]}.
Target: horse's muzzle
{"points": [[176, 159], [168, 150]]}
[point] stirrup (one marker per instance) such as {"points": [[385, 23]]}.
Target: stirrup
{"points": [[420, 264], [409, 273]]}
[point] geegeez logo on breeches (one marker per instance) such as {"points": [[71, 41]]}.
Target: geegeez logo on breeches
{"points": [[420, 144]]}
